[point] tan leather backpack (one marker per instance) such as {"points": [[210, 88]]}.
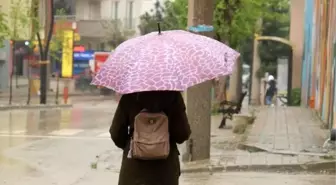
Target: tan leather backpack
{"points": [[150, 139]]}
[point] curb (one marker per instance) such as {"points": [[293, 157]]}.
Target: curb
{"points": [[14, 107], [254, 148], [52, 95], [203, 169], [329, 166]]}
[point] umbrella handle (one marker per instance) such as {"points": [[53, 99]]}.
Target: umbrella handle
{"points": [[159, 28]]}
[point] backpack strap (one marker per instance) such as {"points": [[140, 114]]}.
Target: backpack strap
{"points": [[147, 111], [144, 110]]}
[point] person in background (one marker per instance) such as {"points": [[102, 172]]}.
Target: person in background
{"points": [[271, 90]]}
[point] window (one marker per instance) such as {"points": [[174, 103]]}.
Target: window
{"points": [[130, 15], [94, 7], [102, 46], [116, 7]]}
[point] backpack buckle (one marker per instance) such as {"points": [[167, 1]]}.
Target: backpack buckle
{"points": [[151, 121]]}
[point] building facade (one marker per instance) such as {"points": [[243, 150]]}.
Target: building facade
{"points": [[97, 19], [319, 59], [296, 37]]}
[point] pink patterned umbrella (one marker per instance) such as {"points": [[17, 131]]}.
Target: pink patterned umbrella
{"points": [[173, 60]]}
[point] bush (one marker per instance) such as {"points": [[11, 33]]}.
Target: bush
{"points": [[296, 97]]}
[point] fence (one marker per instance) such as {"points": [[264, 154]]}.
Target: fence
{"points": [[319, 59]]}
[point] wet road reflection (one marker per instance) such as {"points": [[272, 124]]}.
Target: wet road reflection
{"points": [[29, 156], [18, 127], [43, 122]]}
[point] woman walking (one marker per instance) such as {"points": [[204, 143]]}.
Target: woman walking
{"points": [[150, 172]]}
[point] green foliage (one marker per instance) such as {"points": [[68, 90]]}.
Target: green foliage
{"points": [[176, 14], [18, 19], [270, 68], [172, 15], [235, 20], [235, 24], [3, 28], [63, 5], [296, 97], [115, 35], [21, 23], [276, 23], [56, 42], [34, 18]]}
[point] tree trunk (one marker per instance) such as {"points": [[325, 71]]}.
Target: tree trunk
{"points": [[11, 75], [255, 81], [235, 88], [199, 109], [44, 57], [29, 83], [57, 88], [221, 89]]}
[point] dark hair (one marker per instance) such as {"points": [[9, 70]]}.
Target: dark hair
{"points": [[156, 101]]}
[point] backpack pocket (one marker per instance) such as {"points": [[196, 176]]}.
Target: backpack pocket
{"points": [[149, 151]]}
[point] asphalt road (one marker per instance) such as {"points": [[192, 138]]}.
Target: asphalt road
{"points": [[59, 146]]}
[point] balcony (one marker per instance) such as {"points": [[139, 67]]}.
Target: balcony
{"points": [[99, 28]]}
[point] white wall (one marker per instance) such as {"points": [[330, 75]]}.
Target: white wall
{"points": [[108, 10], [82, 9]]}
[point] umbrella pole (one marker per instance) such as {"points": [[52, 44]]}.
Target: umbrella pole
{"points": [[200, 12]]}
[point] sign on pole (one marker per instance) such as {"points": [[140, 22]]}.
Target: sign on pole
{"points": [[100, 58], [67, 54]]}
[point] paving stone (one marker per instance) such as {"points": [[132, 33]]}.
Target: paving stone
{"points": [[287, 128]]}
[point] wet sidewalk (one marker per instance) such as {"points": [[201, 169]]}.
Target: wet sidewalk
{"points": [[70, 147], [226, 151], [287, 130], [228, 155]]}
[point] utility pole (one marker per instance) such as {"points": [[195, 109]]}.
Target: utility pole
{"points": [[198, 98]]}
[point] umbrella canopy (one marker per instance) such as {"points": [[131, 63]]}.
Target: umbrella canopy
{"points": [[172, 60]]}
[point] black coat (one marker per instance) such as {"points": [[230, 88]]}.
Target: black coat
{"points": [[156, 172]]}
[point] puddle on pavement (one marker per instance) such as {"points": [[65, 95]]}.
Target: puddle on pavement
{"points": [[41, 122], [18, 166], [36, 122]]}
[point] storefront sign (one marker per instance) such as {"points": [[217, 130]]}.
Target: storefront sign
{"points": [[83, 55], [100, 58], [67, 54]]}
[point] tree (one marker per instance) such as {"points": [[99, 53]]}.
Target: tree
{"points": [[172, 15], [63, 5], [176, 14], [115, 34], [234, 22], [18, 19], [3, 28], [43, 46], [56, 44], [149, 20], [275, 24]]}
